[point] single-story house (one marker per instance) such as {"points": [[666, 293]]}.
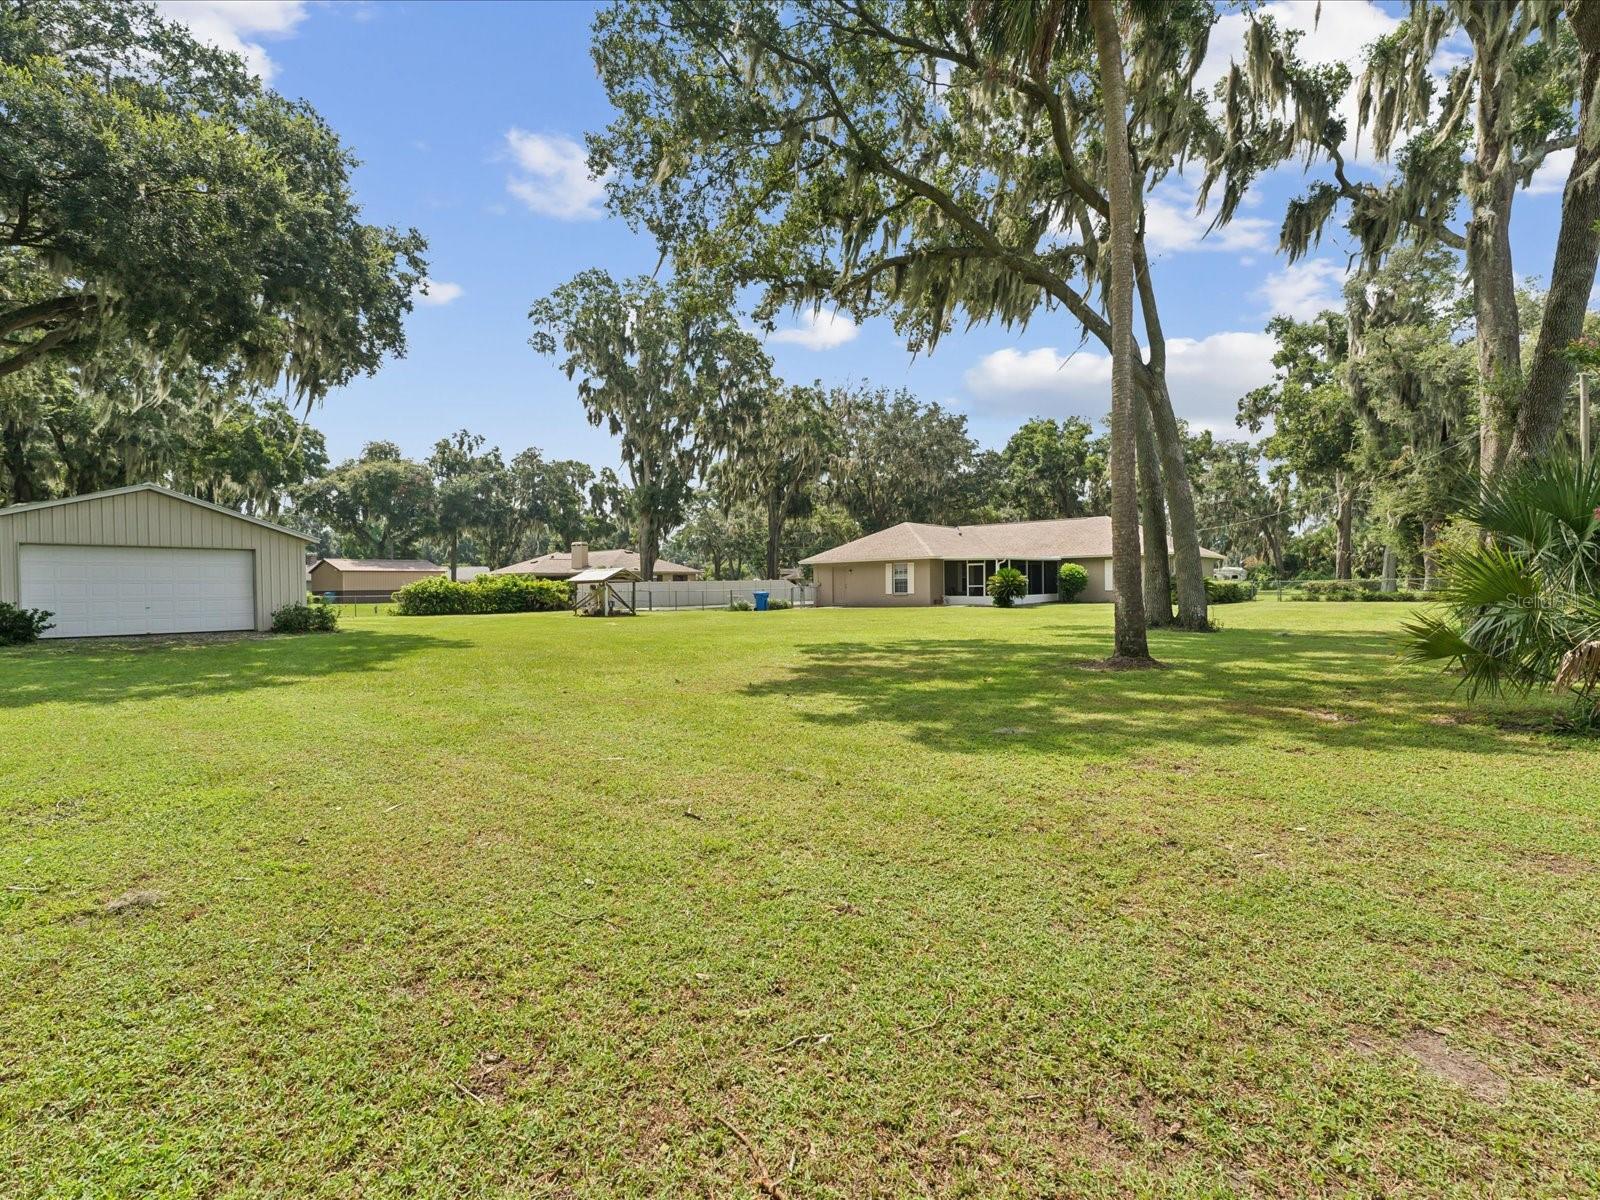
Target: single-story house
{"points": [[368, 578], [145, 559], [564, 564], [916, 564], [466, 573]]}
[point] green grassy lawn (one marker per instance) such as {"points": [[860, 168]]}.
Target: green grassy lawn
{"points": [[532, 905]]}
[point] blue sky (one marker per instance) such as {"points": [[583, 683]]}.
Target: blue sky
{"points": [[468, 117]]}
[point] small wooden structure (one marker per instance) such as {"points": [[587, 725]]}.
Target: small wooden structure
{"points": [[595, 594]]}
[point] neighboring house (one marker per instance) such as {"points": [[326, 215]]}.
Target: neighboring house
{"points": [[466, 574], [915, 564], [145, 559], [564, 564], [368, 578]]}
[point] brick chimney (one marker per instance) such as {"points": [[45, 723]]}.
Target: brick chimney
{"points": [[580, 556]]}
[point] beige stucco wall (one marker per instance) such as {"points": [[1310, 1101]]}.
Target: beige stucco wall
{"points": [[861, 585], [152, 519], [326, 578]]}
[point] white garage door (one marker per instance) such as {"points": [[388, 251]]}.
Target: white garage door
{"points": [[96, 590]]}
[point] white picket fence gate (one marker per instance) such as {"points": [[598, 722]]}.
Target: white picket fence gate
{"points": [[714, 593]]}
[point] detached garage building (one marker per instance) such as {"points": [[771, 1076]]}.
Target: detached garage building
{"points": [[369, 579], [144, 559]]}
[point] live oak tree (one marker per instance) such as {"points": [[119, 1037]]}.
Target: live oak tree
{"points": [[1529, 88], [154, 193], [921, 160], [464, 481], [667, 370], [380, 505], [897, 459], [1049, 468], [1316, 427], [1130, 643], [780, 462]]}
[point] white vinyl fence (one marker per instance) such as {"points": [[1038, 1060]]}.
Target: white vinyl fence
{"points": [[714, 593]]}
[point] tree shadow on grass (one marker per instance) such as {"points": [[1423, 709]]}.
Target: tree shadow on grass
{"points": [[110, 671], [1333, 690]]}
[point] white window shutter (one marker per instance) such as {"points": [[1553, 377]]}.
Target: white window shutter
{"points": [[911, 578], [888, 579], [1111, 581]]}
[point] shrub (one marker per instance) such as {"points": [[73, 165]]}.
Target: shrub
{"points": [[305, 618], [1345, 590], [521, 593], [740, 606], [20, 625], [1071, 579], [1520, 610], [1006, 586], [1229, 591], [778, 605], [437, 596]]}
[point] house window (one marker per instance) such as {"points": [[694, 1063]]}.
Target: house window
{"points": [[901, 579], [1111, 585]]}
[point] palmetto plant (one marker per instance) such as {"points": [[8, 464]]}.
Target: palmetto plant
{"points": [[1522, 607]]}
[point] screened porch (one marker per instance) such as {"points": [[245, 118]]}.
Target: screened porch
{"points": [[965, 579]]}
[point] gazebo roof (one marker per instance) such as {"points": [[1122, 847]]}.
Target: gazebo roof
{"points": [[605, 575]]}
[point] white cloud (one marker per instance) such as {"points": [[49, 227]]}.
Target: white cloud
{"points": [[817, 330], [1331, 33], [239, 25], [1551, 177], [1206, 377], [1172, 224], [435, 293], [553, 178], [1303, 289]]}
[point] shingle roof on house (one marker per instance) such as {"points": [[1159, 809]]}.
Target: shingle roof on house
{"points": [[558, 564], [380, 564], [1066, 537]]}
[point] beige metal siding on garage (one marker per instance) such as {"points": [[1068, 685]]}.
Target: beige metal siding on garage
{"points": [[328, 578], [147, 518]]}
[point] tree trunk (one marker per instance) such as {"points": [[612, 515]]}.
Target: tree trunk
{"points": [[1156, 577], [1430, 534], [453, 551], [774, 537], [1131, 641], [1346, 520], [1388, 568], [647, 546], [1490, 186], [1544, 401], [1188, 570]]}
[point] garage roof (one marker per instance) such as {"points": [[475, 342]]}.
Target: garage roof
{"points": [[357, 565], [13, 509]]}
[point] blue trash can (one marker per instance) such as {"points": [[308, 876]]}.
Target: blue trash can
{"points": [[329, 597], [761, 600]]}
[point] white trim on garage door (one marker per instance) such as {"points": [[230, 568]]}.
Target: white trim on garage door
{"points": [[109, 590]]}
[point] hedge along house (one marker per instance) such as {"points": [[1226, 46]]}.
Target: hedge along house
{"points": [[145, 559], [367, 579], [913, 564]]}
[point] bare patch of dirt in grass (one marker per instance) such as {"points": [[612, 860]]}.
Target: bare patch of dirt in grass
{"points": [[1556, 864], [492, 1076], [136, 899], [1460, 1067], [1120, 662], [1330, 716]]}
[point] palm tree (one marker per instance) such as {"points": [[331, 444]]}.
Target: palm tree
{"points": [[1522, 605]]}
